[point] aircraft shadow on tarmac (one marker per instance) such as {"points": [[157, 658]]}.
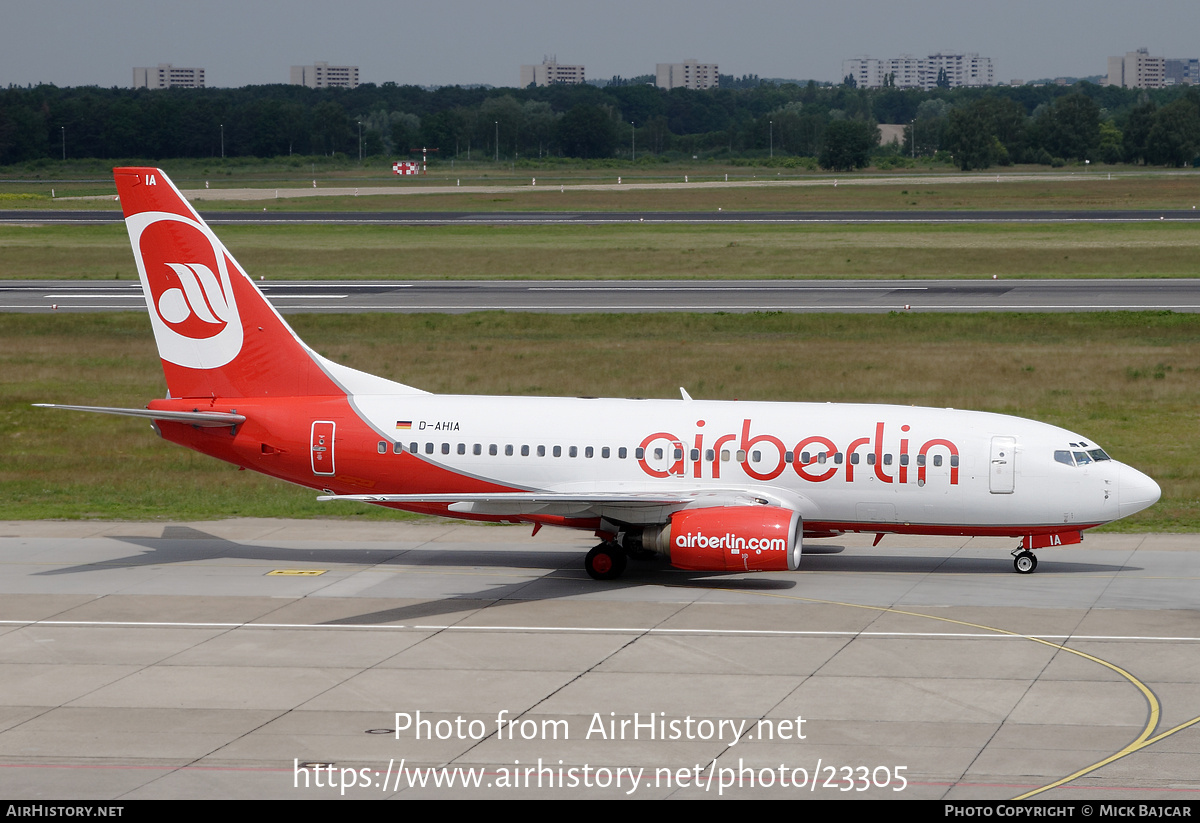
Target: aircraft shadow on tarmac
{"points": [[182, 544]]}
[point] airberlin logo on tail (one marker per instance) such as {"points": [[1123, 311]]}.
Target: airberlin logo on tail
{"points": [[198, 307], [186, 280]]}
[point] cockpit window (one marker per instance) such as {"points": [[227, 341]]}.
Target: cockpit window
{"points": [[1080, 458]]}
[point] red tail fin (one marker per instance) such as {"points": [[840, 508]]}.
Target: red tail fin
{"points": [[216, 333]]}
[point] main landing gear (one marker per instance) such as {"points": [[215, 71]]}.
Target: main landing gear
{"points": [[605, 562], [1024, 561]]}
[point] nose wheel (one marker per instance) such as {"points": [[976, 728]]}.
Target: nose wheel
{"points": [[605, 562], [1024, 561]]}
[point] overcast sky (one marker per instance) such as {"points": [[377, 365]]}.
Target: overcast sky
{"points": [[241, 42]]}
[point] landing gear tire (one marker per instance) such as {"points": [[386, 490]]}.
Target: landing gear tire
{"points": [[605, 562], [1024, 562]]}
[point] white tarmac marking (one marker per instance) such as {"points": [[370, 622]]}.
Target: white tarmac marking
{"points": [[595, 629]]}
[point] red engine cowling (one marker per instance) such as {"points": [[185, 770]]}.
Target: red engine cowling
{"points": [[734, 539]]}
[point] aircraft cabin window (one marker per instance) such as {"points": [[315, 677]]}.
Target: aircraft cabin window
{"points": [[477, 448], [805, 458], [904, 460], [1098, 454], [756, 456], [854, 458], [541, 451], [920, 460], [937, 460], [558, 451], [429, 448], [397, 448], [724, 455], [414, 447], [1082, 459], [658, 454], [640, 453], [694, 455], [574, 452], [445, 448], [821, 457], [887, 460], [382, 447], [788, 457], [524, 451], [870, 458], [1063, 456], [678, 454], [710, 455], [741, 456], [837, 458], [492, 450], [622, 453], [462, 448], [508, 450], [604, 452], [954, 460]]}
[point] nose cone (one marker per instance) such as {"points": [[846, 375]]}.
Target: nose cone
{"points": [[1135, 491]]}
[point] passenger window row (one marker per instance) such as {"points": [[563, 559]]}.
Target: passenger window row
{"points": [[605, 452]]}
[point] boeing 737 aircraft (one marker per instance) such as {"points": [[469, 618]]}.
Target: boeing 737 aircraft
{"points": [[714, 486]]}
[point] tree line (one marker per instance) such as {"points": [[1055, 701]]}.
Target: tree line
{"points": [[833, 126]]}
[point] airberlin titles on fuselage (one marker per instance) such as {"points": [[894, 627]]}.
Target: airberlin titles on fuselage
{"points": [[815, 458]]}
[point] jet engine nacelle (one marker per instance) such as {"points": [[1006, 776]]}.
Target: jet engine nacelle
{"points": [[730, 539]]}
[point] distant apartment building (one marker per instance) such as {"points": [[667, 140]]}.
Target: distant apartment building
{"points": [[551, 73], [1137, 70], [1181, 71], [1141, 70], [908, 72], [166, 76], [325, 76], [690, 74]]}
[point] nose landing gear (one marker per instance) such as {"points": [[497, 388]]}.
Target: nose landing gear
{"points": [[1024, 561]]}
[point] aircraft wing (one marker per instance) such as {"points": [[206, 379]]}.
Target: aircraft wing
{"points": [[638, 506]]}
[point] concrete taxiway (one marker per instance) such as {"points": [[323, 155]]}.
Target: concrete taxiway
{"points": [[569, 296], [267, 658]]}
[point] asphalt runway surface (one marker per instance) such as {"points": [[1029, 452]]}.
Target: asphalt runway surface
{"points": [[269, 659], [852, 296], [535, 218]]}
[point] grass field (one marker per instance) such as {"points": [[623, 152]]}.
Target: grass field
{"points": [[1130, 381], [639, 251], [1033, 187]]}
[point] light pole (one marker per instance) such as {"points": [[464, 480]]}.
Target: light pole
{"points": [[772, 125], [633, 140], [912, 136], [360, 141], [222, 141], [497, 141], [64, 141]]}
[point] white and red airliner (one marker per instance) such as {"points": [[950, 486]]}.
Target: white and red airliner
{"points": [[715, 486]]}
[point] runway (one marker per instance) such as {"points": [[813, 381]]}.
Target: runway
{"points": [[851, 296], [250, 658], [547, 218]]}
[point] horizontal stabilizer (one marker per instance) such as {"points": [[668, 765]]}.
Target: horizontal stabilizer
{"points": [[196, 418]]}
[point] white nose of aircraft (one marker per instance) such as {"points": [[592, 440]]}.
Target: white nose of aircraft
{"points": [[1135, 491]]}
